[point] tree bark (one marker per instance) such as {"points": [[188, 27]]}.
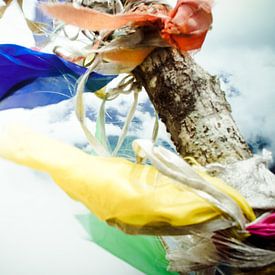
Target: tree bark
{"points": [[193, 107]]}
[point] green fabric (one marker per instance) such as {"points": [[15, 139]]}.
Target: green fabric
{"points": [[146, 253]]}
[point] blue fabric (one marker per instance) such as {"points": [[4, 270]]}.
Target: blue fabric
{"points": [[29, 78]]}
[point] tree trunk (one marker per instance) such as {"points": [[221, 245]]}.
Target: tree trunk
{"points": [[193, 107]]}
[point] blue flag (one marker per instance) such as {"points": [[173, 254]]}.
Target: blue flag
{"points": [[30, 78]]}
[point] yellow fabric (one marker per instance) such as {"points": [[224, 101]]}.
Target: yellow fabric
{"points": [[112, 188]]}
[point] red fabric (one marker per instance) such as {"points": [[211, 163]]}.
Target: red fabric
{"points": [[188, 24]]}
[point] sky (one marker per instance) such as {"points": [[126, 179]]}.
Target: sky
{"points": [[38, 231]]}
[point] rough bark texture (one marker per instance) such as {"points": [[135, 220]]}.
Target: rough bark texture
{"points": [[193, 107]]}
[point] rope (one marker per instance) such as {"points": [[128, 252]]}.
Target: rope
{"points": [[100, 126], [156, 128], [80, 111]]}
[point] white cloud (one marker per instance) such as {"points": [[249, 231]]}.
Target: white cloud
{"points": [[248, 23], [13, 27]]}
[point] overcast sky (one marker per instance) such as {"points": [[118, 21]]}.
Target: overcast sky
{"points": [[248, 23]]}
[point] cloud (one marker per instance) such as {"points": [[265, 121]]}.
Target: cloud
{"points": [[13, 27], [248, 23]]}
